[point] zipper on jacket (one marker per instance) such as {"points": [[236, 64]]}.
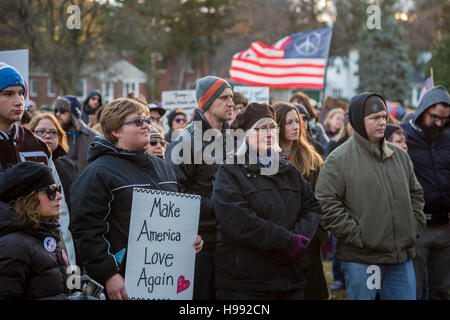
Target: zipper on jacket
{"points": [[390, 207]]}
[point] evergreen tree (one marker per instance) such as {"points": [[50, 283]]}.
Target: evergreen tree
{"points": [[384, 66]]}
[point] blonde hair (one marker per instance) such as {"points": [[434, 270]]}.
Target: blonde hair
{"points": [[343, 133], [26, 208], [62, 137], [331, 114], [303, 155], [115, 112]]}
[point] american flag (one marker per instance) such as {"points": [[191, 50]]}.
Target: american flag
{"points": [[296, 61], [426, 86]]}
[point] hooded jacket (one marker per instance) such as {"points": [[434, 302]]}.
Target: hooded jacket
{"points": [[257, 215], [101, 203], [87, 110], [198, 178], [431, 160], [374, 206], [79, 141], [27, 269]]}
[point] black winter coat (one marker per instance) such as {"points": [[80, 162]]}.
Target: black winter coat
{"points": [[198, 178], [432, 168], [27, 269], [100, 201], [257, 215]]}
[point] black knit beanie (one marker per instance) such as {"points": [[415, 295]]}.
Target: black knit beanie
{"points": [[24, 178]]}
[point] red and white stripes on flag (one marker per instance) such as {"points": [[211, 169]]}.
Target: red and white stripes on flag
{"points": [[267, 66]]}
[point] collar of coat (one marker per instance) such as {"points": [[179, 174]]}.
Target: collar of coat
{"points": [[380, 154], [284, 165]]}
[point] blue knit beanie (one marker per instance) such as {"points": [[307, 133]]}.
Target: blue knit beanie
{"points": [[10, 77]]}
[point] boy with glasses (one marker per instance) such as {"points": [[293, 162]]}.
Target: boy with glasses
{"points": [[17, 143]]}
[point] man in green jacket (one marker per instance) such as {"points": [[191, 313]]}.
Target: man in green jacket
{"points": [[373, 204]]}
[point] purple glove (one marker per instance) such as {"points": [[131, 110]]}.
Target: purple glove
{"points": [[297, 246]]}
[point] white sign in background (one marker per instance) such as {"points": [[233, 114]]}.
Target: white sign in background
{"points": [[161, 256], [178, 99], [254, 94], [19, 60]]}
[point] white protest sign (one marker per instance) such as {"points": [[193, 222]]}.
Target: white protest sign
{"points": [[254, 94], [161, 256], [19, 60], [178, 99]]}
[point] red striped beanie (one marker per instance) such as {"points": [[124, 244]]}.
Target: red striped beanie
{"points": [[208, 89]]}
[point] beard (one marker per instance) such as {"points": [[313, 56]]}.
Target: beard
{"points": [[433, 133]]}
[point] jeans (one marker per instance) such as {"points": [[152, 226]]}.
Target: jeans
{"points": [[296, 294], [433, 260], [395, 281], [204, 278]]}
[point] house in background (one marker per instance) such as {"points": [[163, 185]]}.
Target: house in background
{"points": [[119, 79]]}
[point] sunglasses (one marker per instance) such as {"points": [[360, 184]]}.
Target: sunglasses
{"points": [[156, 141], [178, 120], [43, 133], [138, 122], [60, 111], [156, 119], [51, 191]]}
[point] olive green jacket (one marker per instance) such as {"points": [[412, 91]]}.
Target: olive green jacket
{"points": [[371, 201]]}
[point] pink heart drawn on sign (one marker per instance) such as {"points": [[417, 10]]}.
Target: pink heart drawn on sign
{"points": [[182, 284]]}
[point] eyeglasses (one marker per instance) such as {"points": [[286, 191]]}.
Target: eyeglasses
{"points": [[435, 118], [178, 120], [43, 133], [62, 111], [154, 142], [138, 122], [51, 191], [271, 127]]}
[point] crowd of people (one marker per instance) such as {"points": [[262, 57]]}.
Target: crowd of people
{"points": [[378, 189]]}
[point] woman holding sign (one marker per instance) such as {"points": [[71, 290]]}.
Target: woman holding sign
{"points": [[101, 198], [266, 217]]}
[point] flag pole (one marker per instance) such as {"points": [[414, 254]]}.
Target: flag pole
{"points": [[432, 79]]}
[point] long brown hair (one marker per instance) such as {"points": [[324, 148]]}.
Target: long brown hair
{"points": [[303, 155], [62, 137]]}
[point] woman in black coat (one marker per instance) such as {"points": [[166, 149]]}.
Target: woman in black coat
{"points": [[300, 152], [267, 215], [32, 263]]}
